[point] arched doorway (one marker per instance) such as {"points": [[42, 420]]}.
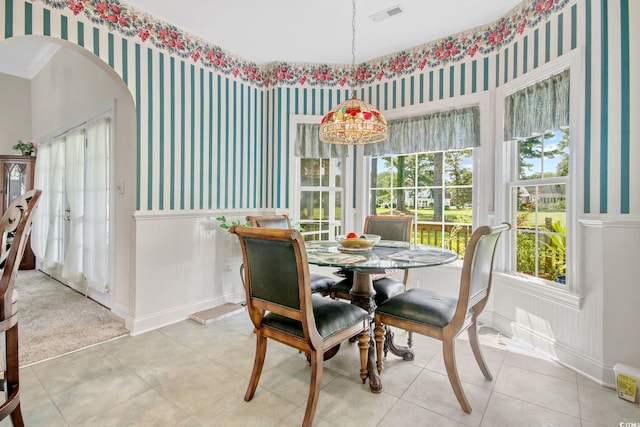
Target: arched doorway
{"points": [[69, 86]]}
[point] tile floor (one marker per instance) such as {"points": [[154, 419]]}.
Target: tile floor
{"points": [[189, 374]]}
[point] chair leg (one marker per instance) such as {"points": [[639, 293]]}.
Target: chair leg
{"points": [[477, 351], [12, 380], [258, 363], [410, 339], [448, 350], [363, 345], [314, 388], [16, 417], [378, 333]]}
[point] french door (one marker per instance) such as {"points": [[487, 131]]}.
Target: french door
{"points": [[71, 231]]}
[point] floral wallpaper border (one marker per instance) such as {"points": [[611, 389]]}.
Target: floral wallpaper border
{"points": [[135, 24]]}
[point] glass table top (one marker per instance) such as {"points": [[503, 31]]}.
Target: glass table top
{"points": [[387, 254]]}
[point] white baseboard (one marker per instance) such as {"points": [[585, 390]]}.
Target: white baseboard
{"points": [[157, 320], [564, 355], [123, 312]]}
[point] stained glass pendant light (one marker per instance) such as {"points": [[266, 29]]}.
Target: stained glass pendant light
{"points": [[354, 121]]}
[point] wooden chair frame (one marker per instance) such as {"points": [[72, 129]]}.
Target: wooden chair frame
{"points": [[270, 221], [469, 306], [15, 226], [282, 222], [405, 222], [311, 342]]}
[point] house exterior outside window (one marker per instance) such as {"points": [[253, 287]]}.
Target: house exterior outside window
{"points": [[538, 205], [537, 168], [436, 188]]}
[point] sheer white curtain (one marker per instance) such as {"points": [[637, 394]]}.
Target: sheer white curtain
{"points": [[96, 214], [41, 215], [74, 190], [73, 173], [54, 195]]}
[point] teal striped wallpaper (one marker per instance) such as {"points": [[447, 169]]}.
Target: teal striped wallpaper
{"points": [[207, 140], [610, 184], [197, 143]]}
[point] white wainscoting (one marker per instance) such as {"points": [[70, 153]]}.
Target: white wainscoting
{"points": [[184, 264], [571, 337], [592, 336], [589, 332]]}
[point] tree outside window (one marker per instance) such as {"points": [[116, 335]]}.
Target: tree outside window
{"points": [[539, 205], [435, 188]]}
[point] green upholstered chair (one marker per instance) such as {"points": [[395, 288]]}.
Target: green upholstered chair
{"points": [[444, 318], [282, 307], [320, 283], [15, 227]]}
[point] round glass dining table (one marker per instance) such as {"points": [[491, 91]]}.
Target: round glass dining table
{"points": [[385, 255]]}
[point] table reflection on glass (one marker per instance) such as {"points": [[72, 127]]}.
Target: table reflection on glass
{"points": [[383, 256]]}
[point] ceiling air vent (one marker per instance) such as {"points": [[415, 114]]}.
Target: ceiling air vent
{"points": [[387, 13]]}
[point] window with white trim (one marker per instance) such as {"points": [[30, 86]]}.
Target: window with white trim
{"points": [[435, 188], [425, 169], [320, 198], [536, 131], [318, 188]]}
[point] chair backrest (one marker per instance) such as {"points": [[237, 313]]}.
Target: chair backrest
{"points": [[276, 274], [477, 269], [270, 221], [15, 227], [389, 227]]}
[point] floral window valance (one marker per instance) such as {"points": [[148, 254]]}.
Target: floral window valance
{"points": [[308, 144], [444, 130], [537, 108]]}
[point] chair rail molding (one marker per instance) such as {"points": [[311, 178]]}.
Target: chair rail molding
{"points": [[611, 221]]}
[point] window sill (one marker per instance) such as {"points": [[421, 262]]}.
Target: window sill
{"points": [[538, 288]]}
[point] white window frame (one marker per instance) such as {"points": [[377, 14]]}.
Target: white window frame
{"points": [[295, 187], [443, 187], [483, 179], [570, 293]]}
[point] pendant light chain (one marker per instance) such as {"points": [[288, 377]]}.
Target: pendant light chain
{"points": [[353, 50], [353, 121]]}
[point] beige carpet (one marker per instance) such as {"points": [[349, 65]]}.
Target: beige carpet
{"points": [[54, 319]]}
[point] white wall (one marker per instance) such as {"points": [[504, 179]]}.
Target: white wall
{"points": [[621, 296], [15, 112], [185, 264]]}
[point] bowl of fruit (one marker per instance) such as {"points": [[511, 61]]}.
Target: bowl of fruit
{"points": [[354, 241]]}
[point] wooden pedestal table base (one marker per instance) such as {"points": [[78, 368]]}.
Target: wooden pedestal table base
{"points": [[362, 294]]}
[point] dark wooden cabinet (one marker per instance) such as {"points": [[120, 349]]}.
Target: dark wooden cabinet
{"points": [[16, 178]]}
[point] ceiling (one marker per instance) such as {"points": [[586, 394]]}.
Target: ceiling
{"points": [[24, 57], [296, 31]]}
